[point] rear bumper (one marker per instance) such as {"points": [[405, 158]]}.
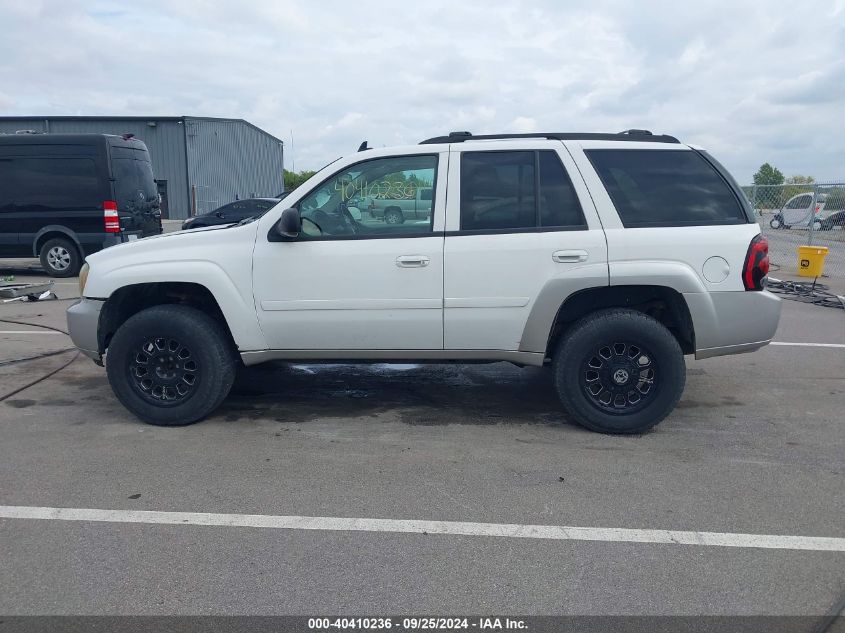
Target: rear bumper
{"points": [[83, 319], [732, 322]]}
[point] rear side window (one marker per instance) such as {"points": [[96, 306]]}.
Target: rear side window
{"points": [[6, 173], [517, 190], [665, 188], [559, 205], [54, 183]]}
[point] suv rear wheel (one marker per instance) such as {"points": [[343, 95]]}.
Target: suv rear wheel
{"points": [[60, 258], [171, 365], [619, 371]]}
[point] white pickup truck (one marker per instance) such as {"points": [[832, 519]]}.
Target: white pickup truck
{"points": [[606, 257]]}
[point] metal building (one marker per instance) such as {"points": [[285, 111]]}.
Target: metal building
{"points": [[200, 163]]}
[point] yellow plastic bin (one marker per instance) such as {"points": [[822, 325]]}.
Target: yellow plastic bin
{"points": [[811, 260]]}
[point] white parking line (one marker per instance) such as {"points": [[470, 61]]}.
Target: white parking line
{"points": [[411, 526], [31, 332], [808, 344]]}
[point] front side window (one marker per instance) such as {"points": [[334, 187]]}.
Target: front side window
{"points": [[517, 190], [379, 197], [652, 188]]}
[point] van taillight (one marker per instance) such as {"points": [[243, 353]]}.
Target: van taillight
{"points": [[110, 217], [756, 264]]}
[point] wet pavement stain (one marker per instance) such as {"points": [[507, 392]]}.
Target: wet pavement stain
{"points": [[58, 402], [694, 404], [422, 395], [20, 404], [85, 383]]}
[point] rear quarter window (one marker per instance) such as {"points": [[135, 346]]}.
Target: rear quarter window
{"points": [[652, 188]]}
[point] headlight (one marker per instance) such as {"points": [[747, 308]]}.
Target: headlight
{"points": [[83, 277]]}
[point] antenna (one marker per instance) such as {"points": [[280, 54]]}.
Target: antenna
{"points": [[363, 147]]}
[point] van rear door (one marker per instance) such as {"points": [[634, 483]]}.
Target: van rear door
{"points": [[135, 189]]}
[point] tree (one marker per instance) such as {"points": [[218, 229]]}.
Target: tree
{"points": [[294, 179], [768, 175], [800, 180], [803, 184]]}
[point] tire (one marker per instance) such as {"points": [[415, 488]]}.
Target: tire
{"points": [[776, 222], [817, 225], [60, 258], [608, 347], [182, 342], [393, 216]]}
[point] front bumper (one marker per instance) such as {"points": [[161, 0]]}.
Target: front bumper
{"points": [[732, 322], [83, 319]]}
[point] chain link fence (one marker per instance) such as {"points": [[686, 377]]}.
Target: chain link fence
{"points": [[802, 214], [203, 200]]}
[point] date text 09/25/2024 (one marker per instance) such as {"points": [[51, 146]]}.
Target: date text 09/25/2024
{"points": [[417, 624]]}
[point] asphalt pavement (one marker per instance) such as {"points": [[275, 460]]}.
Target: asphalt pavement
{"points": [[756, 447]]}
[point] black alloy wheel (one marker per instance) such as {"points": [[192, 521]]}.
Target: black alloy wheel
{"points": [[164, 371]]}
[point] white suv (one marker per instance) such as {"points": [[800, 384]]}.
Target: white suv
{"points": [[605, 256]]}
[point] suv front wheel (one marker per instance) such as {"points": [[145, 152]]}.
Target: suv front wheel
{"points": [[171, 365], [619, 371]]}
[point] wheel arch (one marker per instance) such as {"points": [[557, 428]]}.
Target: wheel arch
{"points": [[132, 299], [219, 299], [52, 231], [664, 303]]}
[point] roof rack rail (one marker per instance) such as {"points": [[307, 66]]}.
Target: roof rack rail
{"points": [[627, 135]]}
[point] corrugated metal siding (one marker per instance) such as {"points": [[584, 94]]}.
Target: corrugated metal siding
{"points": [[165, 141], [228, 160], [225, 159]]}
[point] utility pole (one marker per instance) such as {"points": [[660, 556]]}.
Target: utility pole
{"points": [[292, 161]]}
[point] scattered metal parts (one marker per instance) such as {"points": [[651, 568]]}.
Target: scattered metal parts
{"points": [[27, 292]]}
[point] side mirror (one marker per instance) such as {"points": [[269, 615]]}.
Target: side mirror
{"points": [[219, 214], [290, 224]]}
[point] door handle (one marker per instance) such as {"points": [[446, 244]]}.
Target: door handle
{"points": [[412, 261], [570, 257]]}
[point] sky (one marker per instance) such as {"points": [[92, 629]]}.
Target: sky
{"points": [[752, 82]]}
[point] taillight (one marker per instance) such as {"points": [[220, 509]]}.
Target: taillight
{"points": [[756, 264], [110, 217]]}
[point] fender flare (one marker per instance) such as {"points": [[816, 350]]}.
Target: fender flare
{"points": [[238, 310], [670, 274]]}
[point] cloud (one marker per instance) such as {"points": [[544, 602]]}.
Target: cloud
{"points": [[523, 124], [733, 77]]}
